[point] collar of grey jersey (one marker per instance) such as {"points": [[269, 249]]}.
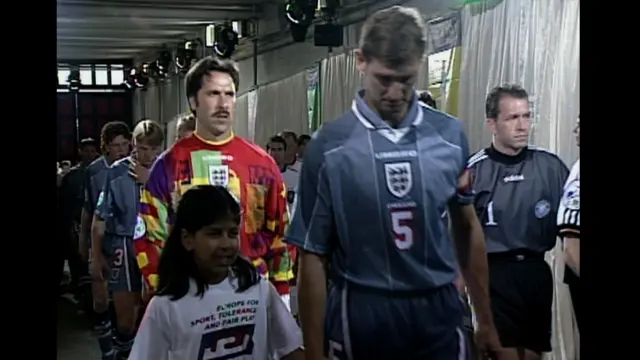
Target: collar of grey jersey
{"points": [[371, 120], [500, 157]]}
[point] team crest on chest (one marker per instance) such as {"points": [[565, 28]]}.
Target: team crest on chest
{"points": [[399, 178], [219, 175], [542, 209]]}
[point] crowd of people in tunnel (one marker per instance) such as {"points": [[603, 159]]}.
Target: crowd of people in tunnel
{"points": [[219, 249]]}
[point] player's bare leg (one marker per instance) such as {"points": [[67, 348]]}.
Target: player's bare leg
{"points": [[126, 304], [102, 322]]}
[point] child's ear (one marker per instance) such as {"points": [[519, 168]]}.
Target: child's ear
{"points": [[187, 240]]}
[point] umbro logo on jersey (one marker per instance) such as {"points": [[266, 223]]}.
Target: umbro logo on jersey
{"points": [[513, 178]]}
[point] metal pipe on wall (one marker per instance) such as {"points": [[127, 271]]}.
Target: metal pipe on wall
{"points": [[255, 54]]}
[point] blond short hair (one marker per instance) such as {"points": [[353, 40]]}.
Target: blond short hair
{"points": [[186, 122], [149, 132]]}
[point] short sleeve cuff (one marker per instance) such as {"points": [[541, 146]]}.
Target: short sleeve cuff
{"points": [[308, 246]]}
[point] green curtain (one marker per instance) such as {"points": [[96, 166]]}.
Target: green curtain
{"points": [[454, 86], [313, 96]]}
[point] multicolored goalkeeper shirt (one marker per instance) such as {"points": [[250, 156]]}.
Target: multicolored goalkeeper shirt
{"points": [[249, 173]]}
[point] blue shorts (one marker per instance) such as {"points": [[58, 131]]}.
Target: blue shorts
{"points": [[124, 272], [364, 324]]}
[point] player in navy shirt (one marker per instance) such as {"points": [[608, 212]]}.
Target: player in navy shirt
{"points": [[115, 140], [373, 187]]}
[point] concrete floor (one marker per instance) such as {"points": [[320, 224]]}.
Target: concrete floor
{"points": [[75, 340]]}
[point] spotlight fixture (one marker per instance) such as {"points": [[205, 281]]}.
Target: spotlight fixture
{"points": [[226, 40], [300, 15], [163, 62], [74, 80], [185, 55], [142, 80], [137, 78]]}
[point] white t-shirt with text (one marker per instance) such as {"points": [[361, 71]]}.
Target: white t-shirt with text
{"points": [[223, 324]]}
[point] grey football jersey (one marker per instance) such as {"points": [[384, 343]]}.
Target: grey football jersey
{"points": [[371, 197], [517, 198], [120, 200], [94, 175]]}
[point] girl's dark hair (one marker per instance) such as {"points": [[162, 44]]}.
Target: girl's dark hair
{"points": [[200, 206]]}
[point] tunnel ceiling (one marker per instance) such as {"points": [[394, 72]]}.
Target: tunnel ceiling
{"points": [[116, 29]]}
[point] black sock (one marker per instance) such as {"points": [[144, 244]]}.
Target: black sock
{"points": [[123, 343], [102, 328]]}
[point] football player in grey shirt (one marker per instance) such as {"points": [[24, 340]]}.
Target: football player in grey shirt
{"points": [[372, 190], [115, 139], [117, 224], [518, 189]]}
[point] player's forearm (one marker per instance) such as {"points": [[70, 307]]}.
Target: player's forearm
{"points": [[472, 256], [85, 228], [572, 253], [97, 234], [312, 296]]}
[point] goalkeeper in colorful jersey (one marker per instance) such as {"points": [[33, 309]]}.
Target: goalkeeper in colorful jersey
{"points": [[214, 156]]}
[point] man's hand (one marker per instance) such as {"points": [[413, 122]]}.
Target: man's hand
{"points": [[98, 284], [487, 341], [470, 248], [98, 266], [139, 172], [83, 250]]}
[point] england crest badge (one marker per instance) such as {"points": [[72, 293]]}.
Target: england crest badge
{"points": [[399, 178], [219, 175]]}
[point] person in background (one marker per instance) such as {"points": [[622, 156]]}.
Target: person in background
{"points": [[213, 155], [518, 189], [291, 154], [303, 140], [372, 191], [277, 148], [185, 126], [115, 142], [211, 302], [427, 98], [71, 201], [117, 224], [569, 232]]}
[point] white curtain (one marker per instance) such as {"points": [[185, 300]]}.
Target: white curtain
{"points": [[281, 106], [138, 105], [152, 103], [252, 103], [171, 132], [339, 81], [534, 43], [241, 123], [170, 92]]}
